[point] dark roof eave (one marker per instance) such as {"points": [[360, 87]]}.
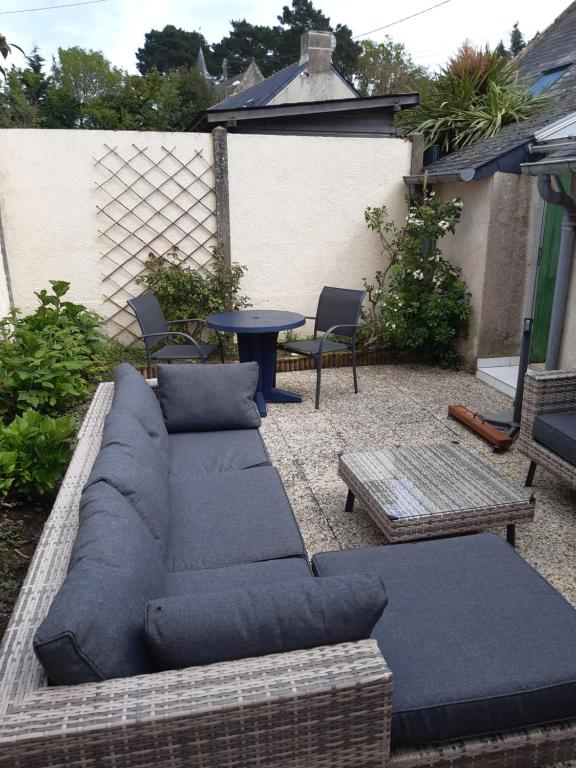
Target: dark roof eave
{"points": [[549, 166], [465, 174], [508, 162], [312, 107]]}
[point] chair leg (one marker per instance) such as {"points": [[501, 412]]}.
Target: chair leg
{"points": [[318, 380], [354, 366], [530, 475], [148, 365]]}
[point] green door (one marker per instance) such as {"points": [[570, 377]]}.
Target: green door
{"points": [[546, 280]]}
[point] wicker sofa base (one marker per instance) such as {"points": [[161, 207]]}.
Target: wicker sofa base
{"points": [[535, 747]]}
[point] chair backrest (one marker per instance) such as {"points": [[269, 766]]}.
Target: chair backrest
{"points": [[150, 317], [338, 306]]}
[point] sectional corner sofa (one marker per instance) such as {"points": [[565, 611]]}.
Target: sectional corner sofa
{"points": [[480, 651]]}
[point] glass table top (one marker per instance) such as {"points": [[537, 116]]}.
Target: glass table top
{"points": [[415, 481]]}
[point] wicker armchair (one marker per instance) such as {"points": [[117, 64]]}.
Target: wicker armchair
{"points": [[328, 707], [546, 392]]}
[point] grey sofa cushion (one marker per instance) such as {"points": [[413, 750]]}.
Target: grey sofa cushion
{"points": [[201, 453], [130, 461], [557, 431], [234, 517], [237, 576], [94, 629], [222, 626], [197, 398], [478, 642], [133, 395]]}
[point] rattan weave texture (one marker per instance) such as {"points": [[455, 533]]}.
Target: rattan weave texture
{"points": [[547, 392], [432, 490]]}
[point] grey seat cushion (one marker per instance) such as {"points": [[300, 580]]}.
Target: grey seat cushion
{"points": [[557, 431], [478, 641], [200, 453], [235, 517], [132, 463], [94, 629], [312, 346], [133, 395], [256, 621], [199, 398], [180, 583]]}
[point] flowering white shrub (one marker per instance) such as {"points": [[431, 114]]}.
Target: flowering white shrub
{"points": [[418, 301]]}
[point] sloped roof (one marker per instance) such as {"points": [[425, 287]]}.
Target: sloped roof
{"points": [[552, 48], [261, 94]]}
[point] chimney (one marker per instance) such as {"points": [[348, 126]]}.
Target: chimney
{"points": [[316, 48]]}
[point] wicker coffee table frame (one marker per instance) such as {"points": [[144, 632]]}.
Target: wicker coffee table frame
{"points": [[430, 526], [327, 707]]}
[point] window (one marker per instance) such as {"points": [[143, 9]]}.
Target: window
{"points": [[547, 79]]}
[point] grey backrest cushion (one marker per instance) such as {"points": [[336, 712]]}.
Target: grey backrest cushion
{"points": [[94, 629], [195, 398], [133, 464], [222, 626], [133, 395]]}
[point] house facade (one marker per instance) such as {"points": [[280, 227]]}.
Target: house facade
{"points": [[508, 241]]}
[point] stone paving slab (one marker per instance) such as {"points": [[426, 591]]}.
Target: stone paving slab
{"points": [[401, 405]]}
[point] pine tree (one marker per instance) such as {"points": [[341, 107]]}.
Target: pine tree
{"points": [[517, 42]]}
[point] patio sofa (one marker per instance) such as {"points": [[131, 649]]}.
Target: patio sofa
{"points": [[482, 651]]}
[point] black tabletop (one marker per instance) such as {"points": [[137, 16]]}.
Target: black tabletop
{"points": [[255, 321]]}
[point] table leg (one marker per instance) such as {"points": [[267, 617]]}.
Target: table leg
{"points": [[511, 534], [350, 502], [261, 348]]}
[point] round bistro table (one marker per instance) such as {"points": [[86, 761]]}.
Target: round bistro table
{"points": [[257, 331]]}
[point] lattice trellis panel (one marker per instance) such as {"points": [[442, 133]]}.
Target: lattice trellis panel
{"points": [[153, 201]]}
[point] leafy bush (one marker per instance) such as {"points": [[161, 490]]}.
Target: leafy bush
{"points": [[49, 359], [470, 99], [186, 292], [418, 302], [34, 453]]}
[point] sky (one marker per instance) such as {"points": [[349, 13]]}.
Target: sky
{"points": [[117, 27]]}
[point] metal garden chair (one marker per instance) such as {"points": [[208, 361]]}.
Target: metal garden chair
{"points": [[338, 313], [154, 328]]}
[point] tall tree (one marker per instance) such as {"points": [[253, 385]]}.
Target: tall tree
{"points": [[246, 42], [387, 67], [168, 49], [23, 94], [81, 87], [276, 47], [517, 43]]}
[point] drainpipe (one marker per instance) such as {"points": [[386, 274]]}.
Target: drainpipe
{"points": [[565, 259]]}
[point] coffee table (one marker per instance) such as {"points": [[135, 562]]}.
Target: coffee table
{"points": [[428, 491]]}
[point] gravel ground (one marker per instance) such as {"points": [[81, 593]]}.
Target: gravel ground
{"points": [[401, 405]]}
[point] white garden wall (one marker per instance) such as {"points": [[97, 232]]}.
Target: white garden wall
{"points": [[297, 212], [49, 198], [4, 293]]}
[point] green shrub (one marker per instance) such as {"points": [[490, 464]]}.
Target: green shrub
{"points": [[186, 292], [50, 359], [418, 302], [34, 453]]}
